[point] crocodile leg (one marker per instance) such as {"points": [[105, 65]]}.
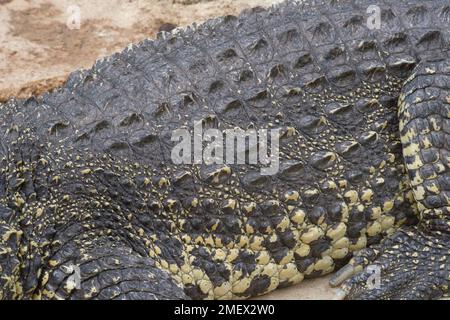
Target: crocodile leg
{"points": [[9, 243], [99, 258], [106, 270], [414, 262]]}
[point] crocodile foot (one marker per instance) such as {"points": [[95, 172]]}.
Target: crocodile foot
{"points": [[414, 263], [410, 264]]}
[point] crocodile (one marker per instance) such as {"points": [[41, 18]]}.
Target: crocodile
{"points": [[92, 205]]}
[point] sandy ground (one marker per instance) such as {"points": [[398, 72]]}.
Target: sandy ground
{"points": [[42, 41], [310, 289]]}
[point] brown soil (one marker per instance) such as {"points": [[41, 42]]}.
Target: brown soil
{"points": [[40, 46]]}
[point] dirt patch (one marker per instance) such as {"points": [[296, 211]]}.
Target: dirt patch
{"points": [[60, 43], [38, 41], [33, 88], [309, 289]]}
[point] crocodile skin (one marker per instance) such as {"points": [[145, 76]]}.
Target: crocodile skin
{"points": [[87, 178]]}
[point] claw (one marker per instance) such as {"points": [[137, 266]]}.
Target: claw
{"points": [[339, 295], [419, 275], [341, 275]]}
